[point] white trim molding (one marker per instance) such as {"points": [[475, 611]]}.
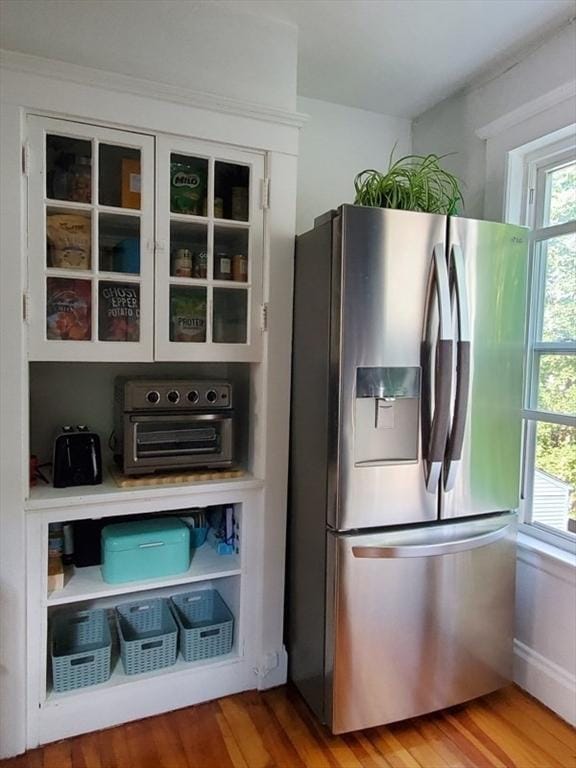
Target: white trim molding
{"points": [[112, 81], [546, 681], [564, 92], [547, 558], [545, 613]]}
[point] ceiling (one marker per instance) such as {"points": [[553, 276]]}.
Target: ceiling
{"points": [[400, 57]]}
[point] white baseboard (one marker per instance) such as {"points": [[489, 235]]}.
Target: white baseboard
{"points": [[546, 681], [274, 671]]}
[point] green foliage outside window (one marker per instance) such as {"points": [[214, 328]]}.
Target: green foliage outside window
{"points": [[556, 443]]}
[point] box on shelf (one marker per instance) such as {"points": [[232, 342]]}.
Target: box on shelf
{"points": [[80, 648], [148, 635], [55, 573], [131, 183], [145, 549], [58, 573]]}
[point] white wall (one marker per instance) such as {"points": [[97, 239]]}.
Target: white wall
{"points": [[178, 42], [532, 98], [451, 126], [335, 144]]}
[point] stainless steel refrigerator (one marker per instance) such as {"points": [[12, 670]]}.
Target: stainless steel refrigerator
{"points": [[405, 462]]}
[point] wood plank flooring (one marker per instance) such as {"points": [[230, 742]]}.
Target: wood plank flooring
{"points": [[274, 729]]}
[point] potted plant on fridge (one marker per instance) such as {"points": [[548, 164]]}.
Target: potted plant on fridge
{"points": [[412, 183]]}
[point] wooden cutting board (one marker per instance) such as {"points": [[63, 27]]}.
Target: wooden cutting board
{"points": [[171, 478]]}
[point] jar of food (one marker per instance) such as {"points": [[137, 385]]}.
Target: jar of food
{"points": [[240, 203], [223, 266], [80, 179], [240, 268], [182, 263], [200, 269]]}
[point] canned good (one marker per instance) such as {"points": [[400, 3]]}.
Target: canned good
{"points": [[182, 264], [240, 203]]}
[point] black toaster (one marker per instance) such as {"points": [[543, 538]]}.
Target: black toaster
{"points": [[77, 459]]}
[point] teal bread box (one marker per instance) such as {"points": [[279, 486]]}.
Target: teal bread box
{"points": [[145, 549]]}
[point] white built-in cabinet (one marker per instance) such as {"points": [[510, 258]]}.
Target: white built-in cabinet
{"points": [[142, 247], [140, 234]]}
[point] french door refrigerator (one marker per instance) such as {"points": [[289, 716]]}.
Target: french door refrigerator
{"points": [[405, 462]]}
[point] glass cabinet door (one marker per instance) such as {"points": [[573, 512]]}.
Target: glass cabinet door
{"points": [[91, 249], [209, 257]]}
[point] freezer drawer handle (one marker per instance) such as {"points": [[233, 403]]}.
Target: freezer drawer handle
{"points": [[432, 550]]}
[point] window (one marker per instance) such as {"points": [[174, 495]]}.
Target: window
{"points": [[550, 405]]}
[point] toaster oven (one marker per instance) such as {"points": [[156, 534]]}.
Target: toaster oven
{"points": [[163, 425]]}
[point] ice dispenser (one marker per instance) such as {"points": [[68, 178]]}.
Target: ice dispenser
{"points": [[386, 415]]}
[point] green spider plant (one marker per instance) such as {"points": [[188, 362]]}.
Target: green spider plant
{"points": [[412, 183]]}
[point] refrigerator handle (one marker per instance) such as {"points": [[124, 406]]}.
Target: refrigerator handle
{"points": [[436, 443], [432, 550], [463, 363]]}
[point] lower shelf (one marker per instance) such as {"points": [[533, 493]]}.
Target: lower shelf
{"points": [[120, 678], [122, 699], [87, 583]]}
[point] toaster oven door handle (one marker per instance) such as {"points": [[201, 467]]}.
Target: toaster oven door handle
{"points": [[182, 417], [151, 544]]}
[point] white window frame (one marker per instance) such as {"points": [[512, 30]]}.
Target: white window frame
{"points": [[536, 164]]}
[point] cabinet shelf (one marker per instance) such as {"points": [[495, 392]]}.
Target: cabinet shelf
{"points": [[87, 583], [120, 678], [46, 497]]}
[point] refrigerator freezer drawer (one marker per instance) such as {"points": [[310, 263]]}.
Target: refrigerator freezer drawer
{"points": [[423, 620]]}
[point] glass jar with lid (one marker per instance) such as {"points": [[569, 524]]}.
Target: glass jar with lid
{"points": [[222, 266], [80, 180]]}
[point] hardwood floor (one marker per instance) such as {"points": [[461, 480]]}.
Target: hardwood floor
{"points": [[274, 729]]}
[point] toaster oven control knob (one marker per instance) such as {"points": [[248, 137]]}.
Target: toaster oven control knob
{"points": [[193, 396], [173, 396], [153, 397], [211, 396]]}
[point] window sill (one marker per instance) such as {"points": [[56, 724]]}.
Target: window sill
{"points": [[547, 557]]}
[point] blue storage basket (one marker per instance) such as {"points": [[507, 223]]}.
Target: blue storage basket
{"points": [[148, 635], [80, 646], [206, 624]]}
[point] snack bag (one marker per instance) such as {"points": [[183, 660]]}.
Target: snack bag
{"points": [[68, 309], [119, 312], [68, 236], [188, 317]]}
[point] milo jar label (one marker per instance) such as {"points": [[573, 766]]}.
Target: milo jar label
{"points": [[188, 178]]}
